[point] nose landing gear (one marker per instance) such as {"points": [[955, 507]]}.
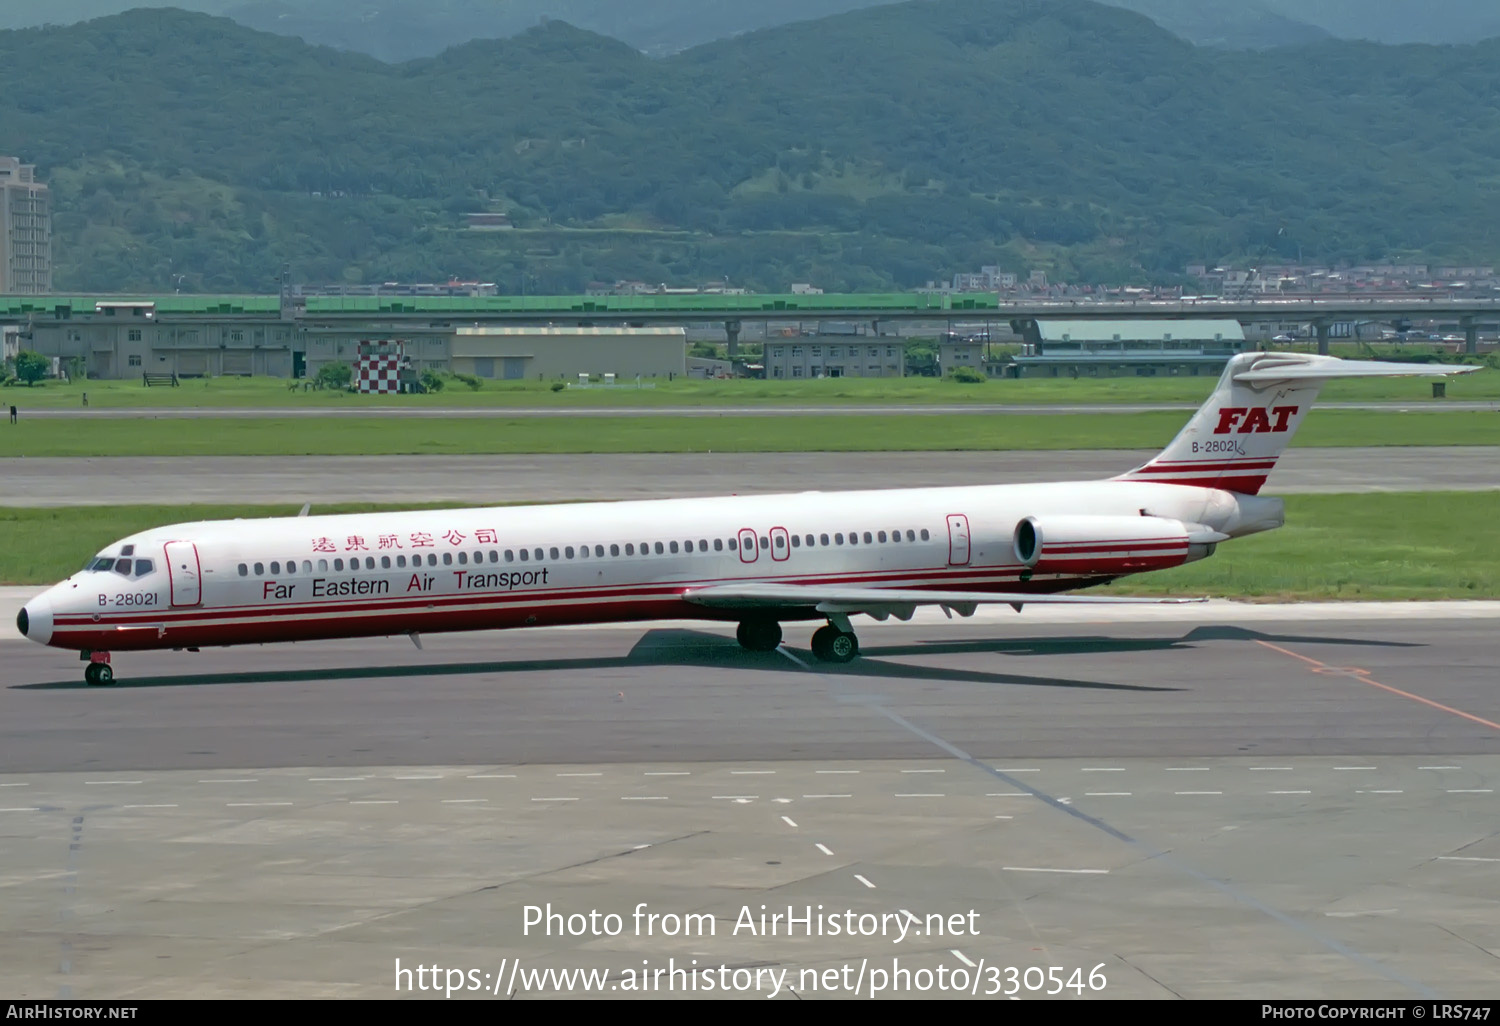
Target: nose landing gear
{"points": [[98, 673]]}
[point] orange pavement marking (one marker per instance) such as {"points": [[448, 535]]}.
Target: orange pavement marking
{"points": [[1364, 675]]}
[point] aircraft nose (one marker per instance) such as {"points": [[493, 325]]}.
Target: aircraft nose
{"points": [[34, 621]]}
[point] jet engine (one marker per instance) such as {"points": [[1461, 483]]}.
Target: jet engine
{"points": [[1109, 545]]}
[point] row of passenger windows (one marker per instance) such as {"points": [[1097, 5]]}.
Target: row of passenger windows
{"points": [[778, 542]]}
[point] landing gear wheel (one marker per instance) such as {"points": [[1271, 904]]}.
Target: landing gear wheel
{"points": [[759, 635], [833, 645], [98, 675]]}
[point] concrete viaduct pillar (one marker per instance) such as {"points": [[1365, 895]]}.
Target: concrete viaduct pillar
{"points": [[1321, 327], [1471, 336], [732, 335]]}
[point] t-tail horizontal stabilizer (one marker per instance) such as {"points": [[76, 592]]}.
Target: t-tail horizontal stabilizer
{"points": [[1236, 437]]}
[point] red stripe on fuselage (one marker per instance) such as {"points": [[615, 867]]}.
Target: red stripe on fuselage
{"points": [[273, 624]]}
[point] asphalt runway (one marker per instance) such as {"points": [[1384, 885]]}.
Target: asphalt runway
{"points": [[1200, 802], [508, 479], [508, 412]]}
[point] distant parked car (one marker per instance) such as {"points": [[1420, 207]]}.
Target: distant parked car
{"points": [[1284, 338]]}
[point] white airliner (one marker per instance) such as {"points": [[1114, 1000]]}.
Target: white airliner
{"points": [[759, 560]]}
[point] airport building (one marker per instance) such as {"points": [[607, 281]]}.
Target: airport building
{"points": [[1143, 348], [834, 357], [248, 336], [539, 354], [25, 231]]}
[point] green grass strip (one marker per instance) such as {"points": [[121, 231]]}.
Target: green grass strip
{"points": [[358, 436]]}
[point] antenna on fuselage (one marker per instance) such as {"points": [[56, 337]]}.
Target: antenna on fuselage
{"points": [[306, 507]]}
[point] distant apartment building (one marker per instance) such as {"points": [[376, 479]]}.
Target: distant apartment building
{"points": [[989, 279], [25, 231]]}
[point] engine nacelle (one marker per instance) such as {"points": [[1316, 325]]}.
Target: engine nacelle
{"points": [[1104, 546]]}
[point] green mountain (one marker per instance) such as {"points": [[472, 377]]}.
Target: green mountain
{"points": [[1397, 21], [399, 30], [875, 149], [1229, 24]]}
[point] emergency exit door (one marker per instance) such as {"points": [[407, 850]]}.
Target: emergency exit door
{"points": [[958, 539], [184, 574]]}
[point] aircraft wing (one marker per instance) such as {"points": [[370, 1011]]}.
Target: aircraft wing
{"points": [[882, 602]]}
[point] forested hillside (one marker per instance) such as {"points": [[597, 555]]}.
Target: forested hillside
{"points": [[874, 149]]}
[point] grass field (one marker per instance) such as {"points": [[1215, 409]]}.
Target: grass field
{"points": [[360, 436], [273, 392], [1400, 545]]}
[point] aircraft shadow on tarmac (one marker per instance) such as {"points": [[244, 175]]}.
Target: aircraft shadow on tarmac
{"points": [[679, 647]]}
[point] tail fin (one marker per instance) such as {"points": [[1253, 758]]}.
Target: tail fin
{"points": [[1235, 439]]}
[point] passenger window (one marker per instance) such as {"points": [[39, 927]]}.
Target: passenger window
{"points": [[385, 562], [322, 566], [275, 568], [702, 544], [629, 549], [796, 541], [307, 566], [718, 544], [552, 551], [823, 539], [925, 535], [260, 569], [868, 539], [673, 547], [659, 548], [244, 570], [525, 555], [338, 564], [911, 536], [687, 546], [447, 559], [568, 552], [494, 556], [369, 562], [583, 552], [614, 550], [599, 551], [538, 554], [401, 562], [780, 542], [731, 545], [432, 559], [510, 555], [291, 567], [765, 542], [853, 537], [880, 536], [838, 539], [463, 559], [809, 541]]}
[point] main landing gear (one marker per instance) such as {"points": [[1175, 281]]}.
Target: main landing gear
{"points": [[759, 635], [834, 643], [98, 673]]}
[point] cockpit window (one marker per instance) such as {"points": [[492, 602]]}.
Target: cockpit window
{"points": [[143, 567], [101, 563], [122, 567]]}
